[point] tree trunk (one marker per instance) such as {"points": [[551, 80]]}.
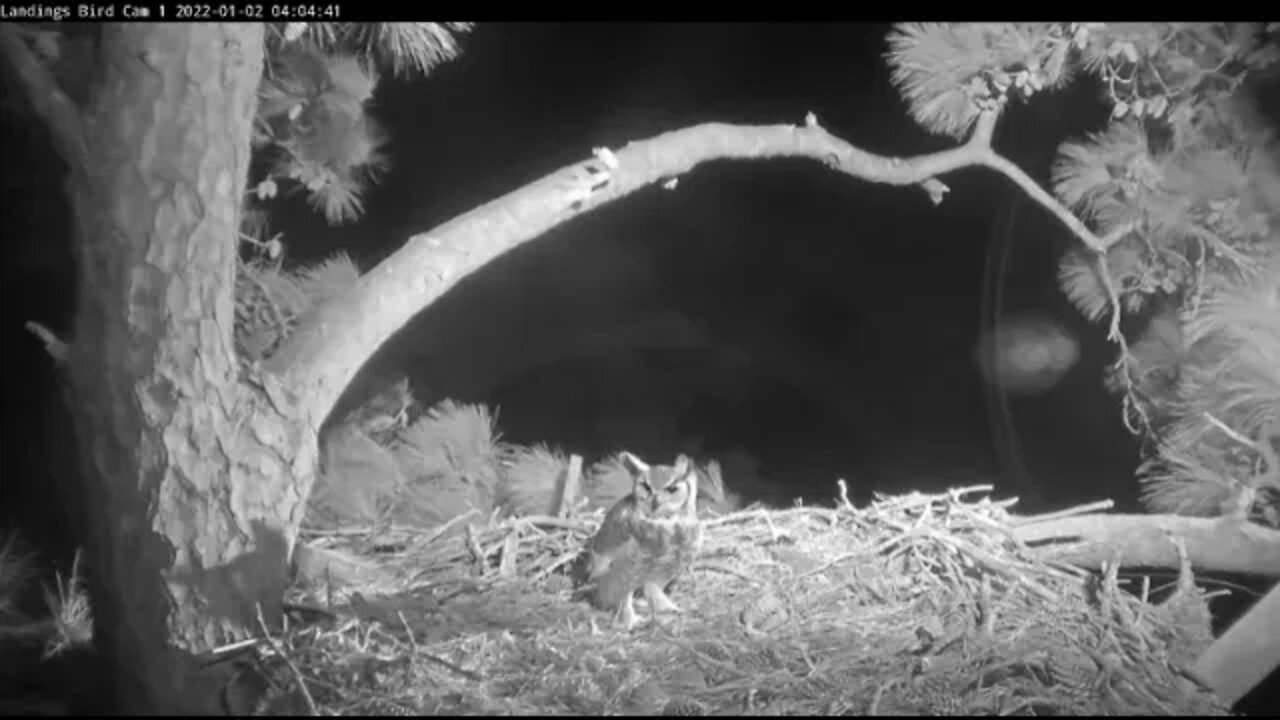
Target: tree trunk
{"points": [[189, 473]]}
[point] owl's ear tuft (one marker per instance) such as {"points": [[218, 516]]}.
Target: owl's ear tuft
{"points": [[683, 463], [633, 464]]}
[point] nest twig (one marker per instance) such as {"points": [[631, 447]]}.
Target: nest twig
{"points": [[916, 604]]}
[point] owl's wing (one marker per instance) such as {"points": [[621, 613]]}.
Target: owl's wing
{"points": [[616, 533], [600, 563], [617, 526]]}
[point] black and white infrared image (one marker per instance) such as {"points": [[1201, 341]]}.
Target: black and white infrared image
{"points": [[636, 368]]}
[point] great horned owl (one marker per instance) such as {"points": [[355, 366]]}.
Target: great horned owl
{"points": [[647, 540]]}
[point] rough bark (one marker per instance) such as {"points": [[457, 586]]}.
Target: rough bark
{"points": [[189, 472]]}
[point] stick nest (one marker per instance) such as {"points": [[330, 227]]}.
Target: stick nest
{"points": [[917, 604]]}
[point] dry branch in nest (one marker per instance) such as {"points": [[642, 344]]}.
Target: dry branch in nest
{"points": [[916, 604]]}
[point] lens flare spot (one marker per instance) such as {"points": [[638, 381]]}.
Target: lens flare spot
{"points": [[1026, 354]]}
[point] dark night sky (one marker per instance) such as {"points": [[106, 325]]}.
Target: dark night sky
{"points": [[870, 285]]}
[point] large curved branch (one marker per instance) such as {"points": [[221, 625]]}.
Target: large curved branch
{"points": [[1218, 544], [322, 357]]}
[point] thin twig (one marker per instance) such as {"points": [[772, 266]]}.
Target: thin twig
{"points": [[752, 515], [843, 494], [312, 710], [1229, 432], [450, 525], [1096, 506], [957, 494], [419, 652], [715, 567], [689, 648], [559, 562], [546, 521], [510, 553]]}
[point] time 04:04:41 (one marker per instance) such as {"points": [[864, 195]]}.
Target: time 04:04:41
{"points": [[249, 11]]}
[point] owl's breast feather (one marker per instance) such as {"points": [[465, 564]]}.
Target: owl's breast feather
{"points": [[597, 564], [617, 575]]}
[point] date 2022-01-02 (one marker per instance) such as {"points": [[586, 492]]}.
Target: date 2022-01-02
{"points": [[161, 10]]}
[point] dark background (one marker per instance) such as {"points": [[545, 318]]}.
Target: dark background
{"points": [[808, 325]]}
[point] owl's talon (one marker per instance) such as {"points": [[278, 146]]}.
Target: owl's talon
{"points": [[659, 601], [626, 619]]}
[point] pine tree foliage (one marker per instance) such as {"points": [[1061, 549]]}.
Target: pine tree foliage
{"points": [[408, 48], [1228, 394], [361, 483], [532, 480], [454, 437], [1079, 278], [313, 118], [314, 133], [950, 72], [1182, 484], [1184, 188], [271, 301], [328, 279], [452, 458]]}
